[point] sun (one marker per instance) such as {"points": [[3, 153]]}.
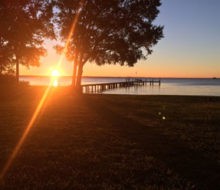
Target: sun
{"points": [[55, 73]]}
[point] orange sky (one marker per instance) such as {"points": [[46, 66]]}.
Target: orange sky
{"points": [[159, 64]]}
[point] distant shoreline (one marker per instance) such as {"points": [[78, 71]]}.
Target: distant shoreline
{"points": [[45, 76]]}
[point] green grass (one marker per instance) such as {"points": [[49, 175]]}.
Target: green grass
{"points": [[110, 142]]}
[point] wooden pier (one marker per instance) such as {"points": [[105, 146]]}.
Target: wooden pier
{"points": [[100, 87]]}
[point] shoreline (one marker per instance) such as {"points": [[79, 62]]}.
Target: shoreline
{"points": [[68, 88], [48, 76]]}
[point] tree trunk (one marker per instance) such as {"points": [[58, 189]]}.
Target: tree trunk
{"points": [[79, 77], [74, 72], [1, 68], [17, 70]]}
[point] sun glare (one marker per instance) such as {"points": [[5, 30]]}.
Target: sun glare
{"points": [[55, 83], [55, 73]]}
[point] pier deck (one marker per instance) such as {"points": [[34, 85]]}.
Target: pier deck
{"points": [[100, 87]]}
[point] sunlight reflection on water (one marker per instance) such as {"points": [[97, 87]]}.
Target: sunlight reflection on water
{"points": [[55, 83]]}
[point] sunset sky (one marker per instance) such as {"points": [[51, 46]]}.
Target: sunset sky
{"points": [[190, 48]]}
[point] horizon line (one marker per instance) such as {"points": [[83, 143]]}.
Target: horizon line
{"points": [[122, 77]]}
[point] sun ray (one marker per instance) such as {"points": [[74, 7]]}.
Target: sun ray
{"points": [[43, 99]]}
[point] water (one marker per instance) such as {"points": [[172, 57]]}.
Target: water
{"points": [[66, 81], [202, 87]]}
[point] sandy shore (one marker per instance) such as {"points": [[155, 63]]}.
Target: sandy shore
{"points": [[110, 141]]}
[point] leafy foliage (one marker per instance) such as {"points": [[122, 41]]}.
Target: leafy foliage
{"points": [[111, 31], [116, 31], [24, 24]]}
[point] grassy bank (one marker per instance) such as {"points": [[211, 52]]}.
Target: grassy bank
{"points": [[110, 141]]}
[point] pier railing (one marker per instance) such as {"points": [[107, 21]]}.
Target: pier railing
{"points": [[100, 87]]}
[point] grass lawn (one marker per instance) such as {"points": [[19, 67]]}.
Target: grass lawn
{"points": [[110, 141]]}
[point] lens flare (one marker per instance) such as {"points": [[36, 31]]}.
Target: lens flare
{"points": [[43, 99]]}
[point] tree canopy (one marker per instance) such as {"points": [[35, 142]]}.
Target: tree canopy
{"points": [[24, 25], [116, 31]]}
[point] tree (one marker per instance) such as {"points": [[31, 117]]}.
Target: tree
{"points": [[116, 31], [5, 66], [24, 25]]}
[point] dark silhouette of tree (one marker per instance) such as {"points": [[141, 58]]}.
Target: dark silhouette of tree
{"points": [[5, 63], [23, 26], [115, 31]]}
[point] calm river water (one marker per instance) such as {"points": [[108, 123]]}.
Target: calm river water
{"points": [[169, 86]]}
